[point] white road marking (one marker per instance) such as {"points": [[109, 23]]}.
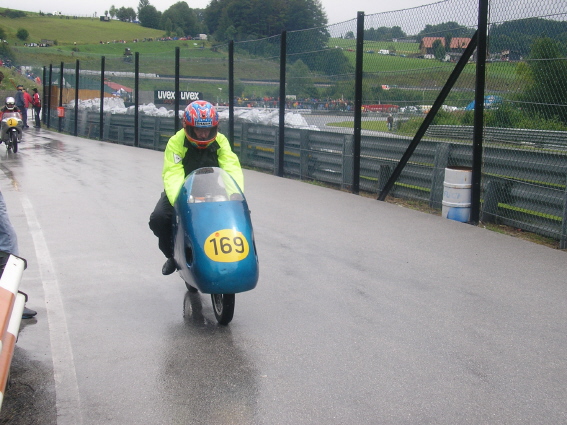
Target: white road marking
{"points": [[68, 402]]}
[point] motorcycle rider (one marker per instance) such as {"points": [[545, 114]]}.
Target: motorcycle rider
{"points": [[10, 105], [198, 144]]}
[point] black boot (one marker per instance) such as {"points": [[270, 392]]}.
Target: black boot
{"points": [[28, 313], [169, 266]]}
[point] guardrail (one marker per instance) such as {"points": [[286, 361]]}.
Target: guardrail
{"points": [[517, 136], [11, 309], [523, 185]]}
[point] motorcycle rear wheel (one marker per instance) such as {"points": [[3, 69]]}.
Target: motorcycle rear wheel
{"points": [[223, 306]]}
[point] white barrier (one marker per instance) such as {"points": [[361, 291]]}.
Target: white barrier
{"points": [[11, 309]]}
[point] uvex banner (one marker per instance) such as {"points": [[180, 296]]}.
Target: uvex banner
{"points": [[168, 96]]}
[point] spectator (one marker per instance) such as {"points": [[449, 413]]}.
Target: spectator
{"points": [[27, 103], [390, 121], [9, 245], [21, 104], [36, 102]]}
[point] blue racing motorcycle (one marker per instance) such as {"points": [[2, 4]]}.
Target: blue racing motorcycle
{"points": [[213, 239]]}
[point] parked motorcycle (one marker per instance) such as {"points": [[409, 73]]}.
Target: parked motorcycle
{"points": [[213, 239], [11, 129]]}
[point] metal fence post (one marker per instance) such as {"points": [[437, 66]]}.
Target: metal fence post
{"points": [[177, 99], [44, 94], [76, 124], [479, 111], [101, 116], [136, 98], [231, 94], [60, 104], [348, 164], [49, 96], [357, 103], [280, 142]]}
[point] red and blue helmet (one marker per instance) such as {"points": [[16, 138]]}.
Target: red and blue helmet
{"points": [[200, 114]]}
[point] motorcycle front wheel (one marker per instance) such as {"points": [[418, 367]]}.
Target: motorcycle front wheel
{"points": [[191, 289], [223, 306], [14, 141]]}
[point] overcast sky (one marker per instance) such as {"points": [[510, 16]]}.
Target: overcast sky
{"points": [[337, 10]]}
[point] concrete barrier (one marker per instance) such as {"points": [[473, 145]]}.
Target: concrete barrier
{"points": [[11, 309]]}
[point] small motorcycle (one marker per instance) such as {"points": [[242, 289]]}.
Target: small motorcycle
{"points": [[11, 130], [214, 244]]}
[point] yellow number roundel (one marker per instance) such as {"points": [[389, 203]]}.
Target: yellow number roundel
{"points": [[226, 246], [12, 122]]}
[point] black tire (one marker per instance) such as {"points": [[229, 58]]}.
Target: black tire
{"points": [[223, 306], [191, 289], [14, 141]]}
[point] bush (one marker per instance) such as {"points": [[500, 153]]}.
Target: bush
{"points": [[13, 14], [22, 34]]}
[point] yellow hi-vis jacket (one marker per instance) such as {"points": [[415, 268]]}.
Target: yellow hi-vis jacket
{"points": [[181, 158]]}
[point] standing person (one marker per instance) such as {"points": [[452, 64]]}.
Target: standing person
{"points": [[198, 144], [390, 120], [9, 245], [36, 102], [21, 104], [27, 103]]}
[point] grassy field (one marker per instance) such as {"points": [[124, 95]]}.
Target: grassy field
{"points": [[67, 31], [365, 125]]}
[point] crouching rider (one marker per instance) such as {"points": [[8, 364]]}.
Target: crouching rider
{"points": [[198, 144]]}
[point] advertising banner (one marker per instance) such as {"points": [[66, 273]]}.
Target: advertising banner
{"points": [[168, 97]]}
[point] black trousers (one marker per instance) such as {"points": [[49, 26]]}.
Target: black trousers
{"points": [[37, 115], [161, 224]]}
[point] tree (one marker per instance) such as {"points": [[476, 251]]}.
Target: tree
{"points": [[142, 4], [438, 50], [547, 91], [112, 11], [230, 33], [452, 29], [384, 34], [126, 14], [298, 79], [263, 18], [520, 34], [181, 16], [149, 17], [22, 34], [167, 26]]}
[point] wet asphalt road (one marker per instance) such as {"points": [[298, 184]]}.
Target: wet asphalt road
{"points": [[365, 312]]}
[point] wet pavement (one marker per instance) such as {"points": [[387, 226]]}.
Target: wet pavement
{"points": [[365, 312]]}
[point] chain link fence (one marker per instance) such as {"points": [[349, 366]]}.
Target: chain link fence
{"points": [[355, 97]]}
